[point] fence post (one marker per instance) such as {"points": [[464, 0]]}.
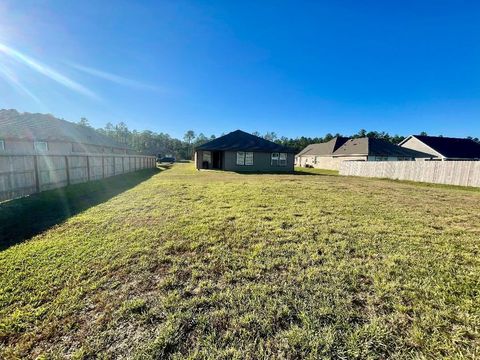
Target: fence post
{"points": [[67, 169], [103, 167], [88, 167], [11, 174], [37, 178], [123, 164]]}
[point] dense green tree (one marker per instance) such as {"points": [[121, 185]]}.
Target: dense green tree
{"points": [[188, 138], [270, 135], [200, 139]]}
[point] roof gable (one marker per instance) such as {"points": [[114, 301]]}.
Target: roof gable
{"points": [[357, 146], [326, 148], [451, 147], [241, 141], [28, 126], [376, 147]]}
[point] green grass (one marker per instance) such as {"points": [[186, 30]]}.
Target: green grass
{"points": [[210, 264]]}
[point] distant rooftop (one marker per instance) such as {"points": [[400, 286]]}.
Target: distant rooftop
{"points": [[450, 147], [376, 147], [325, 148], [28, 126]]}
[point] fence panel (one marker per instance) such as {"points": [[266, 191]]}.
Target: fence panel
{"points": [[52, 172], [17, 176], [77, 167], [464, 173], [22, 175]]}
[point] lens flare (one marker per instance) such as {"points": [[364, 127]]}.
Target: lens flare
{"points": [[10, 77], [117, 79], [46, 71]]}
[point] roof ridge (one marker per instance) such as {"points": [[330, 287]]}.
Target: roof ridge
{"points": [[38, 125]]}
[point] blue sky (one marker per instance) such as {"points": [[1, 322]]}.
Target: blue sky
{"points": [[296, 68]]}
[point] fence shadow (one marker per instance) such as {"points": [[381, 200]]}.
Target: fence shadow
{"points": [[26, 217], [311, 171]]}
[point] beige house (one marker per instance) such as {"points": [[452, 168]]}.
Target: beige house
{"points": [[26, 133], [443, 148], [331, 154], [320, 155]]}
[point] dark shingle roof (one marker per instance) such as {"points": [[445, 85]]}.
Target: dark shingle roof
{"points": [[241, 141], [326, 148], [452, 147], [376, 147], [27, 126]]}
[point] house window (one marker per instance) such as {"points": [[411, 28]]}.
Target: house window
{"points": [[279, 159], [244, 158], [2, 145], [240, 158], [275, 157], [249, 158], [381, 158], [40, 146], [207, 156]]}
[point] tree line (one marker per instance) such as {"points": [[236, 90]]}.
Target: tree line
{"points": [[151, 143]]}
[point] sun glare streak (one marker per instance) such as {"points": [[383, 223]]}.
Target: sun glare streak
{"points": [[46, 71], [10, 77], [114, 78]]}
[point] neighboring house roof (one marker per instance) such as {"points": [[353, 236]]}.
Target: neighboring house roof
{"points": [[241, 141], [27, 126], [376, 147], [326, 148], [448, 147]]}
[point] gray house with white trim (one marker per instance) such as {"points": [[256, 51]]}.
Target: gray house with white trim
{"points": [[243, 152]]}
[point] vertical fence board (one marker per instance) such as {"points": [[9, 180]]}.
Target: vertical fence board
{"points": [[464, 173]]}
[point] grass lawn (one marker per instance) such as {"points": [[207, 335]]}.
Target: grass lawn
{"points": [[186, 264]]}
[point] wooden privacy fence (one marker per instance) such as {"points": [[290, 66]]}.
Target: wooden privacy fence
{"points": [[22, 175], [465, 173]]}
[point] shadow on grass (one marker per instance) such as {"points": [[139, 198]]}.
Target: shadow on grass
{"points": [[297, 171], [20, 219], [312, 171]]}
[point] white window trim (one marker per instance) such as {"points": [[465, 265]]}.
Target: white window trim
{"points": [[249, 156], [240, 161], [241, 158], [276, 159], [35, 143]]}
